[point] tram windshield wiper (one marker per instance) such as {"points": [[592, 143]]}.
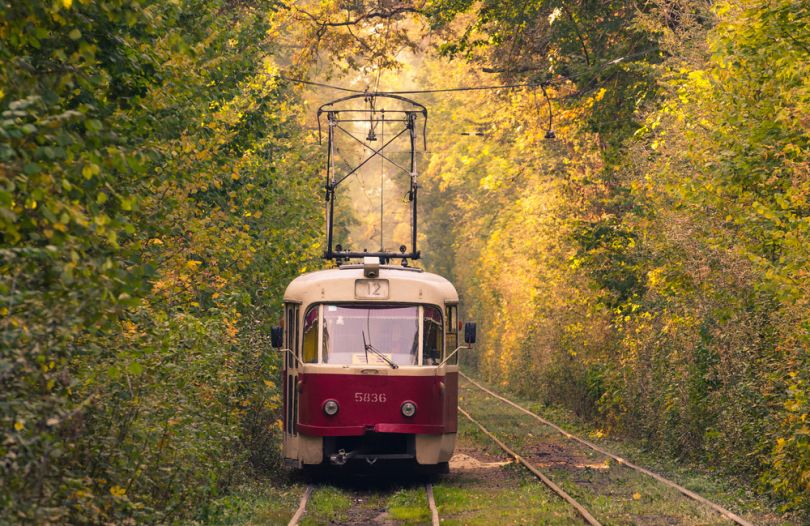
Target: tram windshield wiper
{"points": [[368, 347]]}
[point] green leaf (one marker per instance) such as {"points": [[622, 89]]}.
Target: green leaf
{"points": [[134, 368]]}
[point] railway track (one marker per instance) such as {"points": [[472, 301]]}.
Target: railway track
{"points": [[584, 512], [305, 498], [302, 507], [573, 486]]}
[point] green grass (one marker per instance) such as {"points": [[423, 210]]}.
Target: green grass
{"points": [[498, 495], [409, 506], [256, 504], [508, 494], [518, 501], [614, 494], [609, 493], [327, 505]]}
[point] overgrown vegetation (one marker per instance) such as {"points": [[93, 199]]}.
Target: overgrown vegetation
{"points": [[153, 202], [647, 268]]}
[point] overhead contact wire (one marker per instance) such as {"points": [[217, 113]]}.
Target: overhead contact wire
{"points": [[414, 92], [604, 64]]}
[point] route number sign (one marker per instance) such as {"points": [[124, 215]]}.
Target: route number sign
{"points": [[371, 289]]}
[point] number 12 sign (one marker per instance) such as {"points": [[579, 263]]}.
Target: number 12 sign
{"points": [[371, 289]]}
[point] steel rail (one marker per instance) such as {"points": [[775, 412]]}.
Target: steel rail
{"points": [[547, 481], [434, 511], [302, 507], [691, 494]]}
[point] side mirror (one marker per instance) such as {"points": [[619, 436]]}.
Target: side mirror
{"points": [[276, 337], [469, 332]]}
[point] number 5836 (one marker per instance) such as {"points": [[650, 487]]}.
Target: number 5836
{"points": [[372, 398]]}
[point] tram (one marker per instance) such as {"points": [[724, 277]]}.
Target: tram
{"points": [[370, 348]]}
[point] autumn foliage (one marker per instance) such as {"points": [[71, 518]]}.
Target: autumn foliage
{"points": [[153, 202], [647, 268]]}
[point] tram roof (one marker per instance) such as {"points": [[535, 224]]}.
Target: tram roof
{"points": [[406, 284]]}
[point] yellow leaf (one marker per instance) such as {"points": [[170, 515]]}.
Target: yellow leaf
{"points": [[117, 491], [90, 169]]}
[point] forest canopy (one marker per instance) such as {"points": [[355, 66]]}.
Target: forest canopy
{"points": [[646, 265]]}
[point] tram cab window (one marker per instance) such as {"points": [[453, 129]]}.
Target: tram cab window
{"points": [[310, 343], [370, 334], [432, 341], [452, 333]]}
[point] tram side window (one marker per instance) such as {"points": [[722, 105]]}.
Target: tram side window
{"points": [[452, 332], [310, 344], [432, 341]]}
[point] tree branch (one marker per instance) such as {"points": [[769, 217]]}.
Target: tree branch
{"points": [[367, 16]]}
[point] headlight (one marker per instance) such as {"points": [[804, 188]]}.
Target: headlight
{"points": [[408, 409], [330, 407]]}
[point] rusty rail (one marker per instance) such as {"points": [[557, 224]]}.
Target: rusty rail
{"points": [[691, 494], [302, 507], [547, 481]]}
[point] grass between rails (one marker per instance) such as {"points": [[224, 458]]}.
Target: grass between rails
{"points": [[493, 494], [258, 504], [327, 505], [615, 494], [386, 504], [409, 506], [486, 493], [523, 503], [480, 492]]}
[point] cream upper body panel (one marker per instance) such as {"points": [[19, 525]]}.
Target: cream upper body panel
{"points": [[405, 285]]}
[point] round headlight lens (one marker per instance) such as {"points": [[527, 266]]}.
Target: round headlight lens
{"points": [[330, 407], [408, 409]]}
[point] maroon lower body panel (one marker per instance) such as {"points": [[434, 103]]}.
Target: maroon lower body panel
{"points": [[373, 403]]}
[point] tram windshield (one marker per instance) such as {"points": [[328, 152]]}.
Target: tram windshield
{"points": [[352, 334]]}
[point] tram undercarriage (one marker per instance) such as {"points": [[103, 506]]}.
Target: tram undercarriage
{"points": [[434, 450]]}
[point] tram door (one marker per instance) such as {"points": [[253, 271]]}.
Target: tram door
{"points": [[290, 373]]}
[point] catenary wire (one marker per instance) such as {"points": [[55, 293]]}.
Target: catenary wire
{"points": [[604, 64], [414, 92]]}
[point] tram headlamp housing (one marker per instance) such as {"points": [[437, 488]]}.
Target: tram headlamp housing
{"points": [[408, 409], [331, 407]]}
